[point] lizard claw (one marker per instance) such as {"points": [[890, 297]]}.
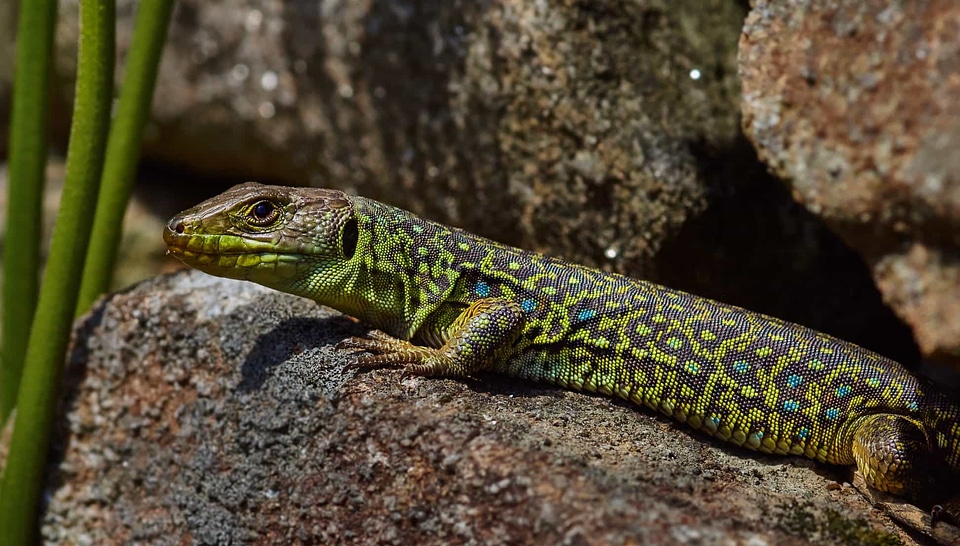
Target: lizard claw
{"points": [[351, 344]]}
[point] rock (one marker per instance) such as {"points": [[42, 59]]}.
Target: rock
{"points": [[854, 103], [208, 411], [569, 126]]}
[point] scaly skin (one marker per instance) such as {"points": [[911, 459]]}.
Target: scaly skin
{"points": [[449, 303]]}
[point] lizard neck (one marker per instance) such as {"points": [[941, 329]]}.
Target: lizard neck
{"points": [[395, 279]]}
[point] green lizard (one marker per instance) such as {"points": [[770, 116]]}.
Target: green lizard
{"points": [[449, 303]]}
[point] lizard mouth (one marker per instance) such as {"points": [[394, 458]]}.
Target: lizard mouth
{"points": [[181, 242], [220, 254]]}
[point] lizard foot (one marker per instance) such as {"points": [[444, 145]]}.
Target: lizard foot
{"points": [[387, 351]]}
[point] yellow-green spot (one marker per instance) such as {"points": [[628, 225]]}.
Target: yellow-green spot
{"points": [[692, 367], [607, 323], [764, 352], [643, 330], [708, 335], [662, 357]]}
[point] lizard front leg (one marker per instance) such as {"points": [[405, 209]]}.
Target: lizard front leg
{"points": [[479, 335]]}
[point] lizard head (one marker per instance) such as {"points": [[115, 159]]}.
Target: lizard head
{"points": [[298, 240]]}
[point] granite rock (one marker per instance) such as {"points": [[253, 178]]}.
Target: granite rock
{"points": [[854, 104], [207, 411]]}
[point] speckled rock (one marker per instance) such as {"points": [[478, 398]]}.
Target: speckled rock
{"points": [[854, 103], [208, 411], [566, 125]]}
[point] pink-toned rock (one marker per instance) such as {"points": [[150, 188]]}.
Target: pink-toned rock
{"points": [[854, 103]]}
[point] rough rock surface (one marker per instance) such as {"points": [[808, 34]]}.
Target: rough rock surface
{"points": [[209, 411], [568, 125], [855, 104]]}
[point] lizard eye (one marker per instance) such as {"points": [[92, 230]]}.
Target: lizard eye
{"points": [[263, 213]]}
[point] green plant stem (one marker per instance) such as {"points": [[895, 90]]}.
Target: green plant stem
{"points": [[28, 157], [49, 335], [123, 147]]}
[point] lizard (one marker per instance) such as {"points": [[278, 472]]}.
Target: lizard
{"points": [[445, 302]]}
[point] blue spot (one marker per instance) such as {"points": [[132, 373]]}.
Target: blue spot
{"points": [[482, 289], [741, 366], [843, 391], [803, 433], [833, 413], [913, 406], [528, 305], [586, 314], [794, 380], [758, 434], [716, 420], [791, 405]]}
